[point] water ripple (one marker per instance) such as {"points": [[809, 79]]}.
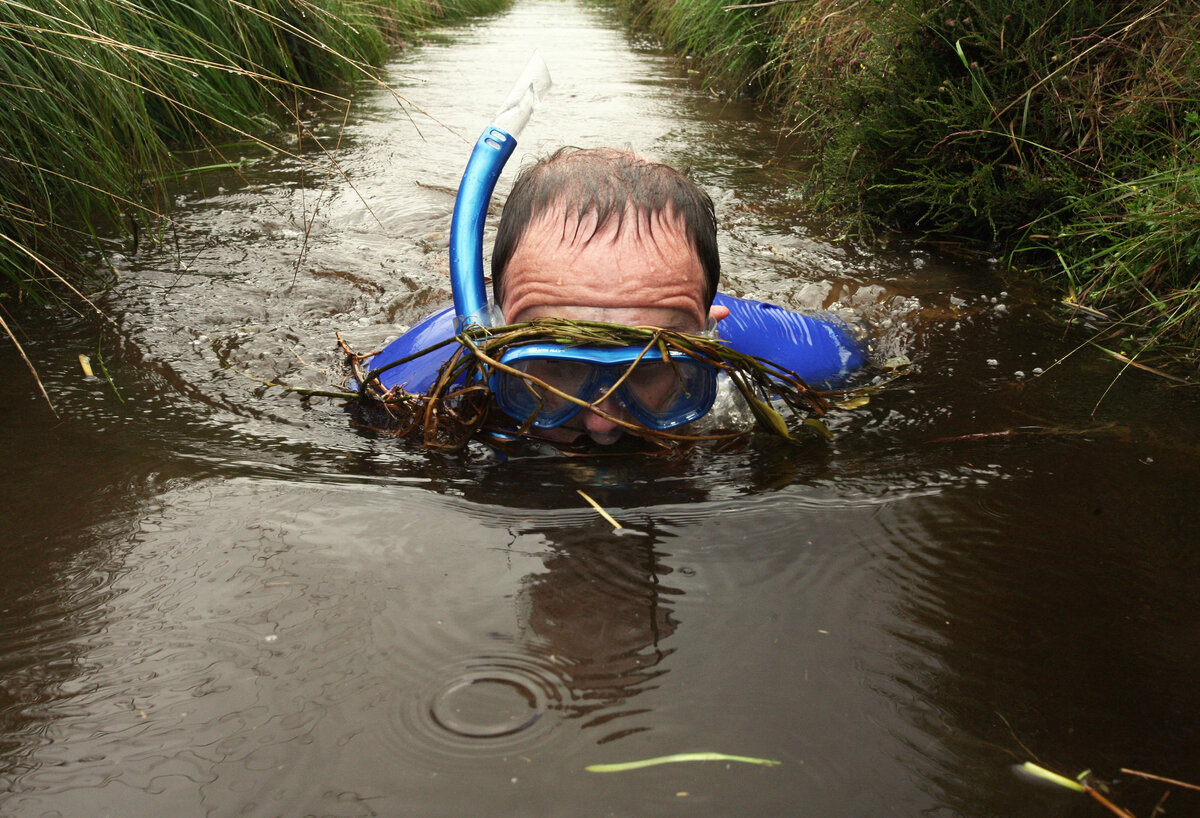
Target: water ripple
{"points": [[485, 705]]}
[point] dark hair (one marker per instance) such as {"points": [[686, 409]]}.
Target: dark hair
{"points": [[609, 183]]}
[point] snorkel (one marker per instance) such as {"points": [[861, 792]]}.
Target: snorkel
{"points": [[488, 158]]}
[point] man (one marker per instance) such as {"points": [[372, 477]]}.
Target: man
{"points": [[604, 235]]}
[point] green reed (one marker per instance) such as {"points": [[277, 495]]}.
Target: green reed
{"points": [[101, 94], [727, 47], [1137, 244]]}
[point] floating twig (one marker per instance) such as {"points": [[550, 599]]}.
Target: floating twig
{"points": [[600, 509], [1027, 431], [1153, 777], [1109, 805], [1072, 304], [296, 390], [1130, 362]]}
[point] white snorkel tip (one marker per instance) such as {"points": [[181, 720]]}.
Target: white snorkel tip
{"points": [[526, 94]]}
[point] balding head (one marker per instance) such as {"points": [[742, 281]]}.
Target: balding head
{"points": [[600, 189]]}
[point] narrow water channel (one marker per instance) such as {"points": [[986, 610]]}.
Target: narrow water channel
{"points": [[219, 599]]}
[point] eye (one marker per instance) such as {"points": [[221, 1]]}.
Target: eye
{"points": [[655, 384], [566, 376]]}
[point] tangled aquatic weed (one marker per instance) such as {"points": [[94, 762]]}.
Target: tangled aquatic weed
{"points": [[459, 404]]}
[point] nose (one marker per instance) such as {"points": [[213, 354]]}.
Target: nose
{"points": [[602, 430]]}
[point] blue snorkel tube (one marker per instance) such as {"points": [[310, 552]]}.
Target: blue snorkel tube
{"points": [[475, 193]]}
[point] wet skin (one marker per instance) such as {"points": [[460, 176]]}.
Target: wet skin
{"points": [[647, 274]]}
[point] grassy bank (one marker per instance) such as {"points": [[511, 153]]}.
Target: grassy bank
{"points": [[1064, 136], [100, 95]]}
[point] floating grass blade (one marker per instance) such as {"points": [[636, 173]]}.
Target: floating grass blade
{"points": [[1080, 786], [678, 758], [1052, 777]]}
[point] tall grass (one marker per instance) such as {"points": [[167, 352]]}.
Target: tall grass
{"points": [[1061, 134], [728, 46], [1137, 245], [100, 94]]}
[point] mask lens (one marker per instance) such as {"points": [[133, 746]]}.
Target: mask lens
{"points": [[664, 394], [565, 376], [655, 385], [520, 398]]}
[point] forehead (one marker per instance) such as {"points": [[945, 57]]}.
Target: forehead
{"points": [[636, 264]]}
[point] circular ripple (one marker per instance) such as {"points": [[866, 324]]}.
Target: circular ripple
{"points": [[478, 707], [488, 706]]}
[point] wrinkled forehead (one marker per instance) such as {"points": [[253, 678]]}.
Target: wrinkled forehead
{"points": [[640, 269]]}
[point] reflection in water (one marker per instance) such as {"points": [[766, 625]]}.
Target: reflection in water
{"points": [[601, 610], [279, 647], [64, 544], [234, 651], [587, 637], [43, 660]]}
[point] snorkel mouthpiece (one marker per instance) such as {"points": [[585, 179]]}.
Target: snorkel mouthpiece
{"points": [[491, 152]]}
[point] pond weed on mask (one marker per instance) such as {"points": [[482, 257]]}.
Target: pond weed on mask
{"points": [[817, 349]]}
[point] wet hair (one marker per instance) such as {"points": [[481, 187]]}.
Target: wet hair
{"points": [[611, 184]]}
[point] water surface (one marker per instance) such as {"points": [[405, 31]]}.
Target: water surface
{"points": [[222, 599]]}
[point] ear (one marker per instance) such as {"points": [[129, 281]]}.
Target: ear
{"points": [[718, 313]]}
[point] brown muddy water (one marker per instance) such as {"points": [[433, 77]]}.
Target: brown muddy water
{"points": [[219, 599]]}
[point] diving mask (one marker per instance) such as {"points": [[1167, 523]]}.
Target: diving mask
{"points": [[660, 393]]}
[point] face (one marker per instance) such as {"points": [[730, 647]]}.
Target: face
{"points": [[638, 278]]}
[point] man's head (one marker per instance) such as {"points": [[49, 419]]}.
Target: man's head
{"points": [[616, 201], [604, 235]]}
